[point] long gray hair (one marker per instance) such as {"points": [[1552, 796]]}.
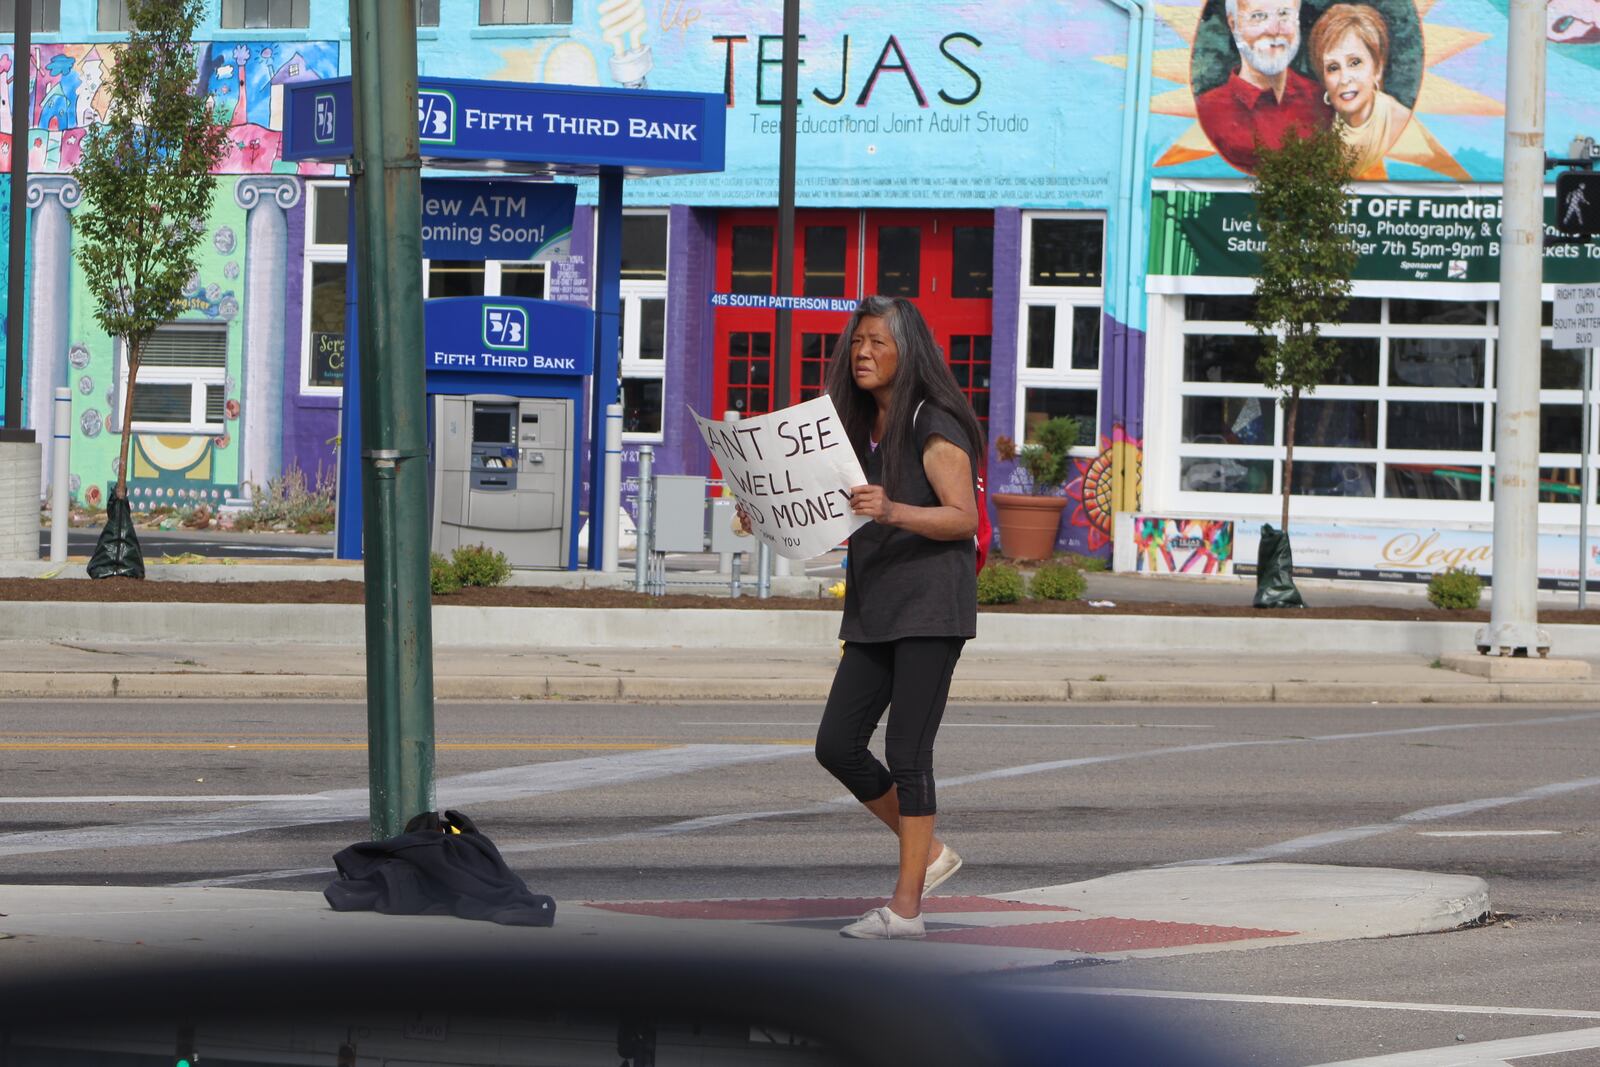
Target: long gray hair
{"points": [[921, 375]]}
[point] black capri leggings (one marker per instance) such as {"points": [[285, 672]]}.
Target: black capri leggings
{"points": [[912, 677]]}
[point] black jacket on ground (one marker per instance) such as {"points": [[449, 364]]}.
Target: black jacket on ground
{"points": [[428, 872]]}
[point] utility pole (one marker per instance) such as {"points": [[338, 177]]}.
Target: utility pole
{"points": [[387, 182], [1513, 628], [16, 281]]}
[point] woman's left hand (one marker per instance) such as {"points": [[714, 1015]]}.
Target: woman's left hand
{"points": [[871, 501]]}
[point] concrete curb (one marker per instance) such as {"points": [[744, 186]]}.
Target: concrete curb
{"points": [[219, 686], [735, 629]]}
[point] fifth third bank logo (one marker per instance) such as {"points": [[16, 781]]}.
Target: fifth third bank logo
{"points": [[505, 327], [436, 117]]}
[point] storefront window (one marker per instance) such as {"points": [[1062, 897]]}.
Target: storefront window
{"points": [[1405, 413], [643, 331], [899, 261], [824, 261], [972, 256], [754, 249]]}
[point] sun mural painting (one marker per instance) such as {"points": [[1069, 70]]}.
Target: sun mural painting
{"points": [[1257, 70]]}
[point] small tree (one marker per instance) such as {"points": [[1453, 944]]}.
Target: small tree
{"points": [[147, 181], [1301, 205]]}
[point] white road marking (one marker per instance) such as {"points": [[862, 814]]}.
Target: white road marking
{"points": [[1484, 1053], [342, 805], [252, 798], [1313, 1002], [1356, 833], [1489, 833], [710, 822]]}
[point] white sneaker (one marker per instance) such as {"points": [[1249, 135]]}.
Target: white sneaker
{"points": [[940, 870], [882, 924]]}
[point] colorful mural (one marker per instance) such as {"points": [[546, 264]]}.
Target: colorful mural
{"points": [[243, 80], [179, 468], [1417, 86], [1182, 546]]}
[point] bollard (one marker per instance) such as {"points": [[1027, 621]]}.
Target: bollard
{"points": [[613, 493], [61, 449], [645, 538], [763, 571], [725, 559]]}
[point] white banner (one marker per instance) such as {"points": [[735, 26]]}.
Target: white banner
{"points": [[793, 471], [1577, 316]]}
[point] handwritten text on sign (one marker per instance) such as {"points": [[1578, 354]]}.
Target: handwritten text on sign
{"points": [[792, 470]]}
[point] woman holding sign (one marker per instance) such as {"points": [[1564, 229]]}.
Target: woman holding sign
{"points": [[911, 597]]}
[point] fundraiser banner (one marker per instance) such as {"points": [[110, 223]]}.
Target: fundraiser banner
{"points": [[1401, 237], [792, 470]]}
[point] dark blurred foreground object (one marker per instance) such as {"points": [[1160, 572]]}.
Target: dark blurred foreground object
{"points": [[117, 553], [556, 1002], [1275, 586], [439, 866]]}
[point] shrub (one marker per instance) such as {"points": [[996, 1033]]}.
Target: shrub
{"points": [[1455, 589], [290, 502], [478, 565], [1057, 581], [442, 577], [999, 583]]}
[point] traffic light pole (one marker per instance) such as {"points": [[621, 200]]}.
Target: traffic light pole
{"points": [[387, 184], [1513, 628]]}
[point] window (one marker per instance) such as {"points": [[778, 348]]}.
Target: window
{"points": [[46, 16], [1406, 412], [266, 14], [644, 323], [523, 12], [427, 12], [1059, 323], [182, 374], [113, 17]]}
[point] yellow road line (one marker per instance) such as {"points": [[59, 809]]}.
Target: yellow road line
{"points": [[261, 746]]}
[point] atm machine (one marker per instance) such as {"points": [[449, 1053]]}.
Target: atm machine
{"points": [[502, 475]]}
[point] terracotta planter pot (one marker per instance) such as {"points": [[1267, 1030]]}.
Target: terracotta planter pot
{"points": [[1028, 524]]}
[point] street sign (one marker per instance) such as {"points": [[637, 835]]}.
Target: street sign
{"points": [[1577, 316], [1578, 203], [555, 129], [508, 335]]}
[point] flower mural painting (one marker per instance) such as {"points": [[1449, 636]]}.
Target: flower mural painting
{"points": [[1573, 21]]}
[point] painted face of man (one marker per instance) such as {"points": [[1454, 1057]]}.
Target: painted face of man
{"points": [[1267, 33]]}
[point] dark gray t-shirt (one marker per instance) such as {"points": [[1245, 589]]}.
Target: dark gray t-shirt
{"points": [[901, 584]]}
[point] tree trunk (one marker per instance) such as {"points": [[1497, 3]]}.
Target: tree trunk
{"points": [[1288, 455], [127, 418]]}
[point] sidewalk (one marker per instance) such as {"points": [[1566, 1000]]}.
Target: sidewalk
{"points": [[222, 651]]}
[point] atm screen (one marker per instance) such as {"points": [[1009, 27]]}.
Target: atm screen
{"points": [[492, 427]]}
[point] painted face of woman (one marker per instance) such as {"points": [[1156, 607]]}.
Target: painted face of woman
{"points": [[874, 356], [1350, 76]]}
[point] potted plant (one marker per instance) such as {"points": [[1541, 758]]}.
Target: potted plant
{"points": [[1029, 521]]}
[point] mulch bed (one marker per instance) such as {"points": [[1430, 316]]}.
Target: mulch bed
{"points": [[130, 591]]}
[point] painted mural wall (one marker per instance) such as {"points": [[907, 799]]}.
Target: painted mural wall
{"points": [[249, 218], [1416, 86]]}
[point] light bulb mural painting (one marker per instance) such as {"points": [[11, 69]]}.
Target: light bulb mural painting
{"points": [[622, 26]]}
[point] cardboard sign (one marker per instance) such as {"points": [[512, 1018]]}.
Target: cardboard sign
{"points": [[792, 470]]}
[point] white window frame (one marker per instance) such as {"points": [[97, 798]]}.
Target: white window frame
{"points": [[315, 253], [1065, 299], [222, 20], [632, 293], [197, 378], [1166, 390]]}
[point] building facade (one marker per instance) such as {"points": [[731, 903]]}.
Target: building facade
{"points": [[1061, 186]]}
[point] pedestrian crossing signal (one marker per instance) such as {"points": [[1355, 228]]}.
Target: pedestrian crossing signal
{"points": [[1578, 203], [184, 1055]]}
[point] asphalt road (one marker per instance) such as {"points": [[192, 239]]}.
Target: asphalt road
{"points": [[594, 801]]}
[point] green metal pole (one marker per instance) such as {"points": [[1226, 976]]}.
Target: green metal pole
{"points": [[394, 465]]}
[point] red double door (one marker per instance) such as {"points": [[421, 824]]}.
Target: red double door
{"points": [[942, 260]]}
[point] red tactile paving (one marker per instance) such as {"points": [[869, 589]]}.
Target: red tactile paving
{"points": [[807, 908], [1101, 935]]}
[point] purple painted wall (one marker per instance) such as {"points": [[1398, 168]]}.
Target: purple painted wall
{"points": [[308, 421]]}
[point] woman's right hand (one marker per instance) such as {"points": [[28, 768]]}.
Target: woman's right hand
{"points": [[741, 521]]}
